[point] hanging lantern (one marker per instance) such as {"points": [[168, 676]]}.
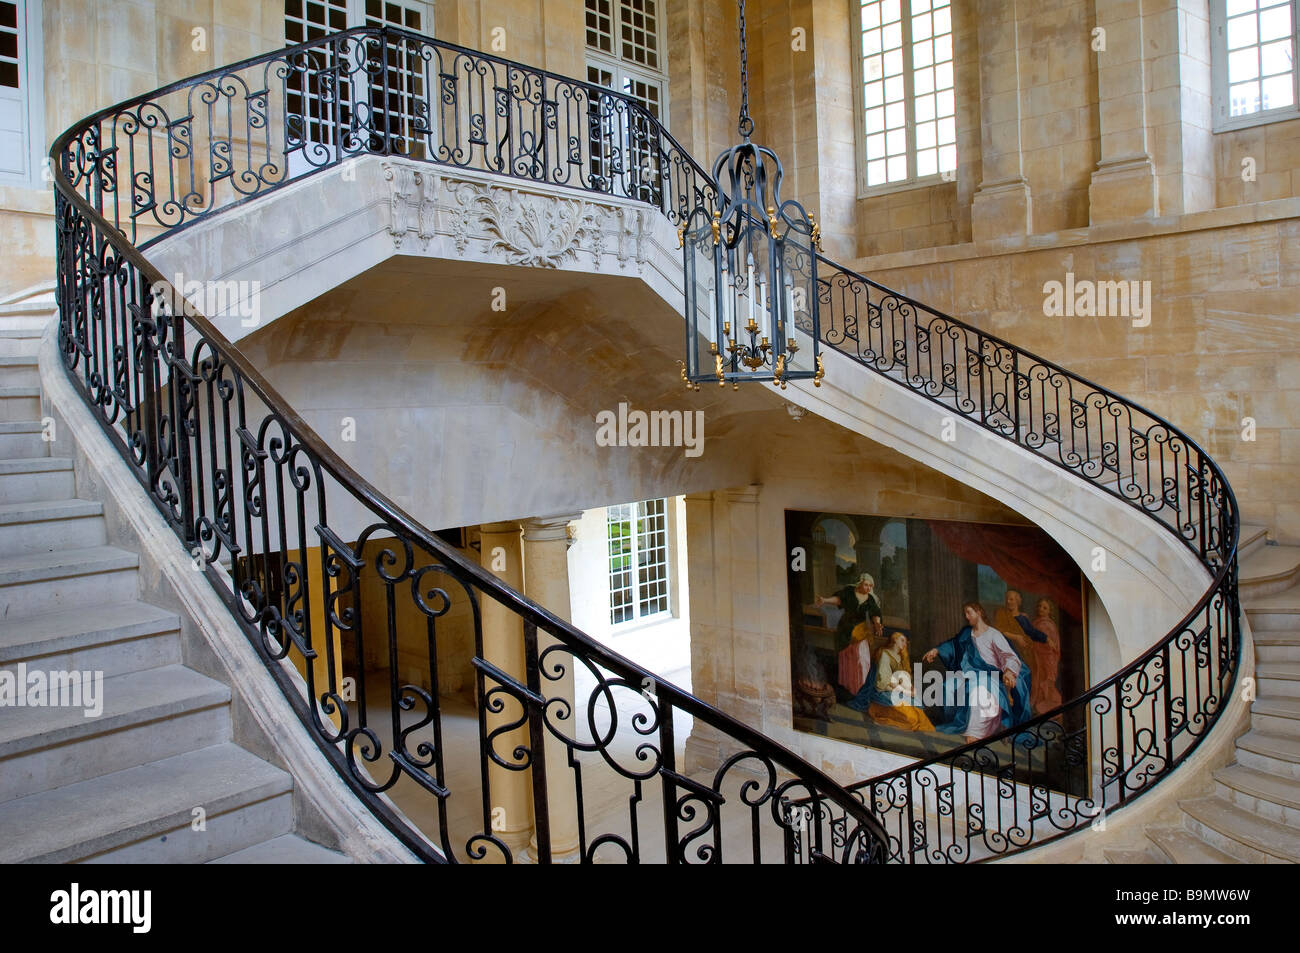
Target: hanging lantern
{"points": [[750, 271]]}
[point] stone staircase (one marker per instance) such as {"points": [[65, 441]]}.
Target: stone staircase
{"points": [[1253, 814], [132, 782]]}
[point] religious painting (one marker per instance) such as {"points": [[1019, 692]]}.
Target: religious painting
{"points": [[918, 636]]}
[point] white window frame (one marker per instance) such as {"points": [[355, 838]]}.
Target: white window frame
{"points": [[637, 618], [624, 70], [909, 99], [1222, 121], [356, 16], [30, 96]]}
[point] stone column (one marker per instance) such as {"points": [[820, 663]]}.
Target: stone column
{"points": [[503, 646], [546, 582], [710, 610], [1124, 183], [1002, 207]]}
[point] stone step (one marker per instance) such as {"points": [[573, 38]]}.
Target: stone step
{"points": [[1276, 715], [19, 370], [144, 814], [129, 637], [1252, 537], [1179, 846], [20, 342], [1241, 833], [22, 438], [20, 403], [1278, 613], [144, 716], [1270, 753], [34, 583], [43, 527], [1117, 855], [1269, 570], [1277, 647], [1279, 678], [25, 480], [285, 849], [1267, 795]]}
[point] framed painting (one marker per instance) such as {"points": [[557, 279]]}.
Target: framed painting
{"points": [[917, 636]]}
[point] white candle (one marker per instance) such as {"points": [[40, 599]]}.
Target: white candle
{"points": [[749, 287], [789, 308]]}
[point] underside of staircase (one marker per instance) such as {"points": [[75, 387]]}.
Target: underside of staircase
{"points": [[155, 776]]}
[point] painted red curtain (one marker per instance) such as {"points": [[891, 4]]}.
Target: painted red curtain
{"points": [[1024, 556]]}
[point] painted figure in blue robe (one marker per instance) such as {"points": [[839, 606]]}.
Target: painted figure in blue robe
{"points": [[1000, 682]]}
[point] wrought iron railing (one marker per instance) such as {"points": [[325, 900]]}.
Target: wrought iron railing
{"points": [[343, 593], [183, 404]]}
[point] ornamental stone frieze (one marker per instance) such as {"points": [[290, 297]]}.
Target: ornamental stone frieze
{"points": [[517, 226], [412, 202]]}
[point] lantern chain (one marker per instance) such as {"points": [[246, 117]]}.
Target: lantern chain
{"points": [[746, 125]]}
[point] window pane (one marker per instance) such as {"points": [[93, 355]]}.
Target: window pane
{"points": [[1276, 57], [947, 131], [1240, 6], [1275, 23], [894, 63], [875, 94], [897, 168], [896, 142], [922, 53], [1277, 92], [894, 89], [924, 108], [926, 135], [895, 117], [876, 146], [1244, 99], [1243, 65], [923, 80], [1241, 32], [927, 162], [876, 120], [876, 172]]}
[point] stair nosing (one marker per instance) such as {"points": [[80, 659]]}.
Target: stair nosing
{"points": [[1196, 808], [65, 563], [201, 694], [145, 621], [122, 822]]}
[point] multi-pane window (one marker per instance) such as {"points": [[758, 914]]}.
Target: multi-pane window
{"points": [[326, 109], [908, 115], [20, 99], [624, 53], [1254, 61], [638, 560]]}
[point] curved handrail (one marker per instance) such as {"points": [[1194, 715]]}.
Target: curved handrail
{"points": [[123, 334], [498, 116]]}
